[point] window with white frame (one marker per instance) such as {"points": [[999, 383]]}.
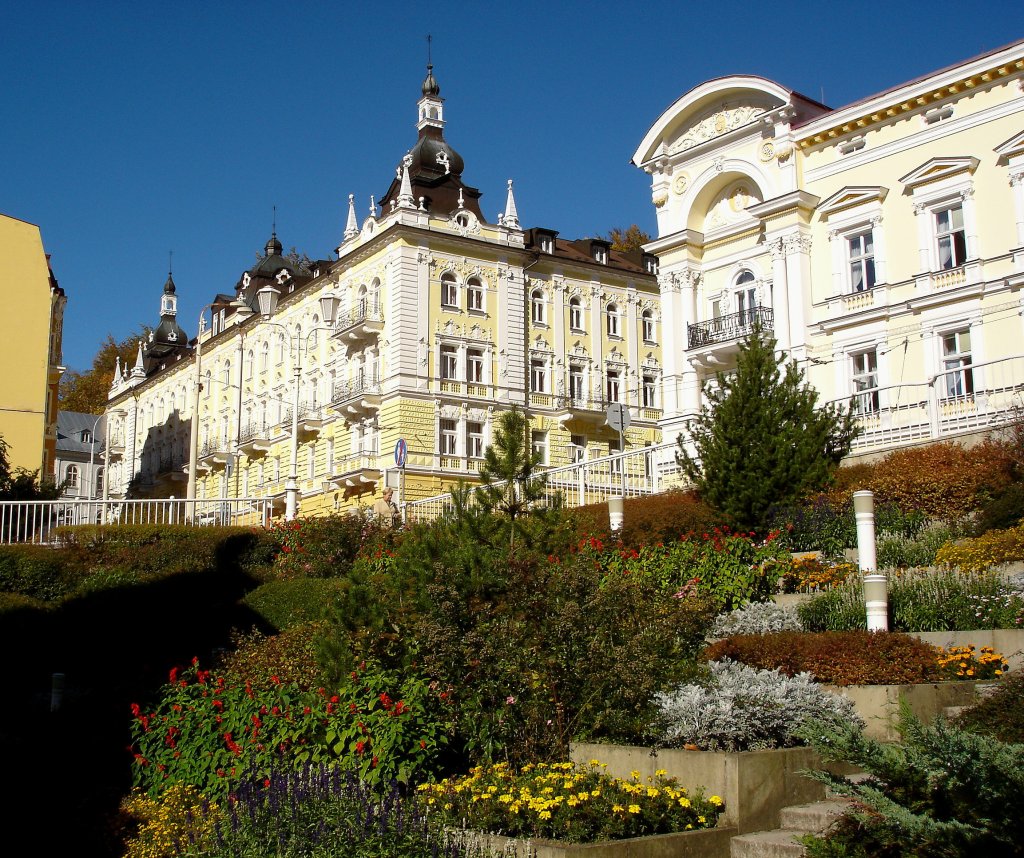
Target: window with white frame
{"points": [[449, 362], [539, 445], [538, 375], [449, 434], [613, 385], [264, 356], [71, 476], [746, 297], [950, 237], [614, 326], [614, 448], [861, 249], [649, 390], [449, 290], [475, 366], [647, 325], [576, 386], [576, 313], [475, 295], [958, 378], [100, 476], [474, 440], [538, 313], [865, 381], [577, 448], [311, 461]]}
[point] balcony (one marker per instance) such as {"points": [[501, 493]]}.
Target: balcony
{"points": [[115, 450], [728, 329], [355, 471], [356, 398], [171, 469], [214, 455], [364, 322], [254, 439], [579, 409], [310, 420]]}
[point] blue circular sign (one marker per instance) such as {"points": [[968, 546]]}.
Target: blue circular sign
{"points": [[400, 453]]}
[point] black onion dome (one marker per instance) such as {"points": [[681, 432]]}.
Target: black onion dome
{"points": [[430, 85], [169, 287], [425, 163]]}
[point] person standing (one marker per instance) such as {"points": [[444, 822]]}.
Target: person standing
{"points": [[386, 510]]}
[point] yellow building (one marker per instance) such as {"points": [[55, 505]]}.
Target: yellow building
{"points": [[882, 242], [30, 348], [444, 321]]}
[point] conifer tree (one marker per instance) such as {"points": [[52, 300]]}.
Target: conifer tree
{"points": [[760, 439]]}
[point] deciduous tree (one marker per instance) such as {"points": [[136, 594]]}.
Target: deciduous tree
{"points": [[86, 392]]}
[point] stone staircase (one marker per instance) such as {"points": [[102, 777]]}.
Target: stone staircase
{"points": [[795, 821]]}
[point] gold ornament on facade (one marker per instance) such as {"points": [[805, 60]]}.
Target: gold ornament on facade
{"points": [[767, 151], [659, 198], [680, 184]]}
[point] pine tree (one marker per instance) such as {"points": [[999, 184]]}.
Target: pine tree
{"points": [[760, 440]]}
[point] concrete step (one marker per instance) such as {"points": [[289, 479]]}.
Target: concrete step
{"points": [[767, 844], [815, 817], [857, 778]]}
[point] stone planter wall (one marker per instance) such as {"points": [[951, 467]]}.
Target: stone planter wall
{"points": [[755, 785], [1006, 642], [708, 843]]}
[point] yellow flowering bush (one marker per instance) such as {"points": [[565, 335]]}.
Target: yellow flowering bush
{"points": [[812, 574], [180, 814], [983, 552], [568, 802], [961, 662]]}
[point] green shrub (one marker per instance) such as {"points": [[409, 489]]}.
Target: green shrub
{"points": [[756, 618], [321, 546], [938, 791], [835, 658], [10, 602], [37, 572], [292, 602], [743, 708], [838, 609], [1000, 714], [897, 551], [663, 517], [1003, 511], [290, 655]]}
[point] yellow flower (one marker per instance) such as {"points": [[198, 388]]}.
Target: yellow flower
{"points": [[652, 792], [634, 808], [545, 814], [684, 802], [635, 775], [660, 772], [617, 808], [716, 800]]}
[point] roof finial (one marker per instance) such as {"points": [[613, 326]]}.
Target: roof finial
{"points": [[351, 227], [373, 207], [405, 197], [462, 202], [430, 87], [170, 262], [273, 227], [511, 218]]}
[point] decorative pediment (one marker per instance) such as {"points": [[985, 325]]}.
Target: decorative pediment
{"points": [[578, 350], [615, 356], [720, 119], [540, 345], [1011, 148], [939, 168], [851, 196]]}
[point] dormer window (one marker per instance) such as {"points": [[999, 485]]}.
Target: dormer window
{"points": [[547, 245], [650, 263], [86, 436], [600, 255]]}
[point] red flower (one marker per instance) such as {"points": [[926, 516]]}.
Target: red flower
{"points": [[385, 700], [174, 675], [423, 745], [360, 747], [275, 680], [373, 763]]}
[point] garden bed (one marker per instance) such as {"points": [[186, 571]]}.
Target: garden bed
{"points": [[1008, 642], [708, 843], [754, 785]]}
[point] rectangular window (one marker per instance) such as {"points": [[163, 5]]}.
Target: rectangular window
{"points": [[475, 366], [311, 461], [865, 382], [648, 326], [475, 296], [951, 238], [746, 305], [649, 391], [539, 446], [862, 262], [956, 361], [449, 291], [576, 384], [449, 362], [614, 448], [575, 314], [448, 436], [577, 448], [538, 376], [475, 440], [613, 385]]}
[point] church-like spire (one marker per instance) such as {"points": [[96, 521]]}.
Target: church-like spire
{"points": [[510, 218], [405, 197], [139, 370], [351, 226]]}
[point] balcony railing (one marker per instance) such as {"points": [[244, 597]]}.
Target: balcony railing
{"points": [[345, 391], [365, 319], [733, 326]]}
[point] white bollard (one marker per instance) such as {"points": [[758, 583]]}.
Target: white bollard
{"points": [[616, 515], [876, 596]]}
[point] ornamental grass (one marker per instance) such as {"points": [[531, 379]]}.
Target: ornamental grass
{"points": [[568, 802]]}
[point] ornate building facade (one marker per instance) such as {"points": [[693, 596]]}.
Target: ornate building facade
{"points": [[429, 323], [882, 243]]}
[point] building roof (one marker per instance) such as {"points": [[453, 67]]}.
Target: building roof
{"points": [[71, 425]]}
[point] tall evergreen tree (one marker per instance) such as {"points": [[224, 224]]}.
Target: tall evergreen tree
{"points": [[760, 439]]}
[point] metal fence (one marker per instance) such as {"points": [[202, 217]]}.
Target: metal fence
{"points": [[37, 522]]}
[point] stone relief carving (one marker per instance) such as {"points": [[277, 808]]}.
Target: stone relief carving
{"points": [[714, 125]]}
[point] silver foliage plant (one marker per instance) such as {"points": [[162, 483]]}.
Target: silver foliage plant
{"points": [[756, 618], [743, 708]]}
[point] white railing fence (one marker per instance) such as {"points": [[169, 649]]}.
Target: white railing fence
{"points": [[35, 522]]}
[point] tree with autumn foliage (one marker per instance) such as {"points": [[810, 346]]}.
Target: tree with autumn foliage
{"points": [[630, 238], [86, 392]]}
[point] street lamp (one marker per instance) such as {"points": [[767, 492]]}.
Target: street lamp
{"points": [[92, 461], [268, 297]]}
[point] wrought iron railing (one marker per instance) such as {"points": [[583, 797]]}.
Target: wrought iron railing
{"points": [[733, 326]]}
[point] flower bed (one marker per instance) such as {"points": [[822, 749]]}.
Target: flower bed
{"points": [[709, 843]]}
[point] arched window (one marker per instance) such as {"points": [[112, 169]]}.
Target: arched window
{"points": [[71, 476], [475, 295], [207, 382], [746, 297], [362, 303], [264, 356], [100, 474], [449, 290], [279, 350], [249, 360], [537, 308], [575, 313], [225, 374], [313, 335], [613, 320], [647, 325], [374, 296]]}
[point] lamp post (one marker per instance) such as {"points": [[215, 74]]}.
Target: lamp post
{"points": [[92, 461], [268, 297]]}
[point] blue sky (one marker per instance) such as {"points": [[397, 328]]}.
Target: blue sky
{"points": [[133, 129]]}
